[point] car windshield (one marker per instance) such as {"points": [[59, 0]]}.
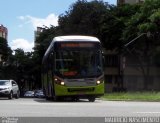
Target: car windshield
{"points": [[38, 91], [77, 64], [4, 82], [29, 92]]}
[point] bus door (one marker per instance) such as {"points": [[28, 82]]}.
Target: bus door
{"points": [[50, 74]]}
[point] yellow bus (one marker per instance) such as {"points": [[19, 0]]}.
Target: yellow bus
{"points": [[72, 67]]}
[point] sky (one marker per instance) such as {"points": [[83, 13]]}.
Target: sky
{"points": [[21, 17]]}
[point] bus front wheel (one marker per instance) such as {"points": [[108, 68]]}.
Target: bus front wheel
{"points": [[58, 98], [91, 99]]}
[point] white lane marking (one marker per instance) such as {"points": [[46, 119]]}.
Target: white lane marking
{"points": [[147, 112]]}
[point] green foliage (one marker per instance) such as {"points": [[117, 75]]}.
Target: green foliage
{"points": [[44, 40], [83, 18], [145, 20], [143, 30], [4, 49], [147, 27], [155, 17], [133, 96], [114, 23]]}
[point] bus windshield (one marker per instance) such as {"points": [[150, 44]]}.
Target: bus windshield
{"points": [[78, 63]]}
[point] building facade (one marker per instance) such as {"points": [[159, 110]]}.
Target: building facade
{"points": [[36, 35], [112, 71], [124, 72], [3, 32]]}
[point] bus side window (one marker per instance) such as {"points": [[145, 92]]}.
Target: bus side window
{"points": [[44, 67]]}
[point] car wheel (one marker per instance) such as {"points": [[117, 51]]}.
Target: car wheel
{"points": [[17, 95], [10, 95]]}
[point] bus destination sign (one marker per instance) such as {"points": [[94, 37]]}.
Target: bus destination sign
{"points": [[77, 45]]}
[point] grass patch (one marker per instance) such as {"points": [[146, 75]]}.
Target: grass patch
{"points": [[132, 96]]}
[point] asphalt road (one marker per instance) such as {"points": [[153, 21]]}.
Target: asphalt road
{"points": [[33, 107]]}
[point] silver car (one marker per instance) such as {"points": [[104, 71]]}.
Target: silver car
{"points": [[29, 94], [9, 88]]}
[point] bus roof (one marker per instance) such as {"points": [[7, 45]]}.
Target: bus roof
{"points": [[75, 38], [70, 38]]}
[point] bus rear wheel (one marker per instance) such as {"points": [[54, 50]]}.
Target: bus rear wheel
{"points": [[91, 99], [58, 99], [74, 99], [48, 98]]}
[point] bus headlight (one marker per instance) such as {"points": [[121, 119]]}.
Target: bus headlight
{"points": [[59, 82], [62, 83], [99, 81]]}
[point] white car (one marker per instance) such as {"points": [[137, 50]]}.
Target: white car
{"points": [[9, 88]]}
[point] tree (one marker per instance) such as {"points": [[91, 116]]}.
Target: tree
{"points": [[83, 18], [43, 41], [5, 51], [144, 22]]}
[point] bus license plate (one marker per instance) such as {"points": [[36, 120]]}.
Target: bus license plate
{"points": [[81, 93]]}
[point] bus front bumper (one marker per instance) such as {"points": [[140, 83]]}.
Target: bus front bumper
{"points": [[85, 91]]}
